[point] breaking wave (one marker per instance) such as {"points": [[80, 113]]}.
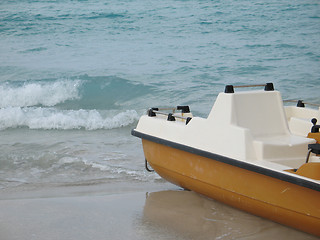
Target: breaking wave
{"points": [[50, 118], [83, 102], [34, 93], [83, 92]]}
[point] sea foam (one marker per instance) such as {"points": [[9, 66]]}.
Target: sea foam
{"points": [[50, 118], [34, 93]]}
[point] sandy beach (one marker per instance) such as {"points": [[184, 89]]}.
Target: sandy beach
{"points": [[128, 211]]}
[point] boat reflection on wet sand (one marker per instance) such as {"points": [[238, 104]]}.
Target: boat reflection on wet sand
{"points": [[188, 215]]}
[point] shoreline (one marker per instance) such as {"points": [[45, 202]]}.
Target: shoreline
{"points": [[128, 211]]}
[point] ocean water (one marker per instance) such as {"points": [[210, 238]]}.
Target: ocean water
{"points": [[76, 75]]}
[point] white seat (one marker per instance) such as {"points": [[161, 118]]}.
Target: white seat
{"points": [[290, 150], [262, 112], [299, 119]]}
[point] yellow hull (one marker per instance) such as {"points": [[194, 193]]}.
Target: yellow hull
{"points": [[281, 201]]}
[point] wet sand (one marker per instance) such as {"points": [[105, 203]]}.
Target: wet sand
{"points": [[128, 211]]}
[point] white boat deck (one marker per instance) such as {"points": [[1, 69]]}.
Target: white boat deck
{"points": [[250, 126]]}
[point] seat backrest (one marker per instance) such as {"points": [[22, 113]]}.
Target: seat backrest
{"points": [[261, 112]]}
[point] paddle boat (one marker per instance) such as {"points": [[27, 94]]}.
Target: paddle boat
{"points": [[251, 153]]}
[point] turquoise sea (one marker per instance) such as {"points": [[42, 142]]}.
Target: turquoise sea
{"points": [[75, 75]]}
